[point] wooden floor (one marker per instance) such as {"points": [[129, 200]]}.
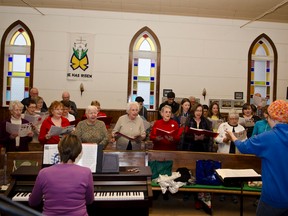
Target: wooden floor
{"points": [[176, 206]]}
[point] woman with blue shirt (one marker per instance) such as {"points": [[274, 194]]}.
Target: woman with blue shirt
{"points": [[272, 148], [262, 125]]}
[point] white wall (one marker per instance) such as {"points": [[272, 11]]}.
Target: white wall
{"points": [[196, 53]]}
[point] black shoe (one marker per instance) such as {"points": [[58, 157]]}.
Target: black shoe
{"points": [[207, 209]]}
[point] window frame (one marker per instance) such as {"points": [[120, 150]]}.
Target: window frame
{"points": [[130, 66], [2, 56], [275, 66]]}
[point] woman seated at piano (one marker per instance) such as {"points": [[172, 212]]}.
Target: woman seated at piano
{"points": [[55, 118], [129, 130], [64, 188], [92, 130], [165, 132]]}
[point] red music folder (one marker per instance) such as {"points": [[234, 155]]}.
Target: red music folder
{"points": [[162, 133]]}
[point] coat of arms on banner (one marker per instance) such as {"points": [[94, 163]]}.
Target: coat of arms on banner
{"points": [[80, 65]]}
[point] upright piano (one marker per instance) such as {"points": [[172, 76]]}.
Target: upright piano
{"points": [[128, 192]]}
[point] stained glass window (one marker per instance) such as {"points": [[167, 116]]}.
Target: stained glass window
{"points": [[145, 69], [17, 62], [262, 69]]}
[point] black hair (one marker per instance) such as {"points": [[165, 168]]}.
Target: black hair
{"points": [[171, 95], [139, 99]]}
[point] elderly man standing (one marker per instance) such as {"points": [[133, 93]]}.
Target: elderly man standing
{"points": [[66, 97], [33, 94]]}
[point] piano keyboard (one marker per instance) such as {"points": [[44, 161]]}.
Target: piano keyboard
{"points": [[118, 196], [99, 196], [21, 197]]}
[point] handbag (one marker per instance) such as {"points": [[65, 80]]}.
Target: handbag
{"points": [[206, 174], [160, 168]]}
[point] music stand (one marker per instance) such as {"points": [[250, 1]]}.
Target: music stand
{"points": [[238, 177]]}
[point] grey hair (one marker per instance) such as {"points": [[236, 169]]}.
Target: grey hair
{"points": [[91, 107], [233, 113], [130, 104], [166, 106], [15, 103]]}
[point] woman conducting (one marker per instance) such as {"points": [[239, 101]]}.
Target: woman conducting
{"points": [[272, 148]]}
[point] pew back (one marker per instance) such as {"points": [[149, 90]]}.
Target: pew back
{"points": [[188, 159], [15, 159]]}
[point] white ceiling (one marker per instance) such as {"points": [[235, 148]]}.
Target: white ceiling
{"points": [[250, 10]]}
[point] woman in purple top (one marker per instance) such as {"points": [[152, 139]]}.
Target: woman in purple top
{"points": [[65, 188]]}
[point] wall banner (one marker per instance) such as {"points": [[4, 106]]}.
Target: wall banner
{"points": [[81, 49]]}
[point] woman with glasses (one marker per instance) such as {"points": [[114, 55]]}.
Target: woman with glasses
{"points": [[15, 141], [198, 143], [34, 118]]}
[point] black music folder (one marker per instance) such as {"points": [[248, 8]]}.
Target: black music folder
{"points": [[110, 163]]}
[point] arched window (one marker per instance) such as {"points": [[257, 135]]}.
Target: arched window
{"points": [[144, 68], [17, 55], [262, 69]]}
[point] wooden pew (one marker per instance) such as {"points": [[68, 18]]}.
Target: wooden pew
{"points": [[188, 159], [33, 158]]}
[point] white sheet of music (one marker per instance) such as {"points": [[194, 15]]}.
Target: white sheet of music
{"points": [[237, 173], [50, 154], [21, 129], [87, 158], [55, 130]]}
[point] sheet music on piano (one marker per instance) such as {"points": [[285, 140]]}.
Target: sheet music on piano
{"points": [[87, 158]]}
